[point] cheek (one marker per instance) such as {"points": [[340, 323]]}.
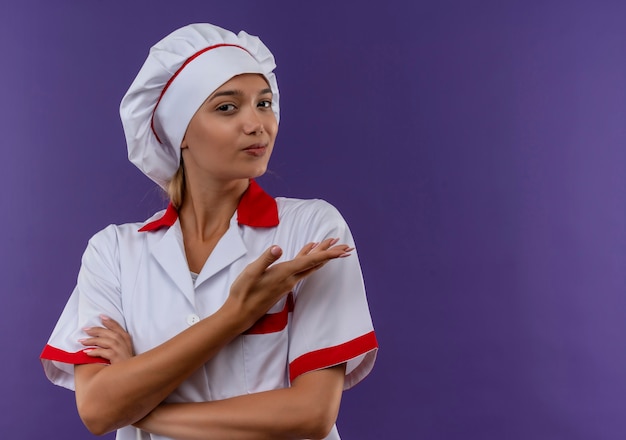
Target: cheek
{"points": [[272, 126], [203, 134], [192, 134]]}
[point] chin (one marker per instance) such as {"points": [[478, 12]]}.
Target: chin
{"points": [[258, 172]]}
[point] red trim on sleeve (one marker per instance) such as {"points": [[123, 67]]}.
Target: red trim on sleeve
{"points": [[80, 357], [327, 357], [272, 322], [169, 82], [256, 208]]}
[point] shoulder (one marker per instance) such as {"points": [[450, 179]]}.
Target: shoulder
{"points": [[290, 208], [114, 234], [312, 215]]}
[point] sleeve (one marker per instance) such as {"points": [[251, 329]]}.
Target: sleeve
{"points": [[331, 322], [97, 292]]}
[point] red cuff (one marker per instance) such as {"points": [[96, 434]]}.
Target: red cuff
{"points": [[327, 357], [80, 357]]}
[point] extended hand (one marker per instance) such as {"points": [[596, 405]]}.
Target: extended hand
{"points": [[261, 284]]}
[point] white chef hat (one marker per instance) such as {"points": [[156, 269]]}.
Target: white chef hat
{"points": [[180, 73]]}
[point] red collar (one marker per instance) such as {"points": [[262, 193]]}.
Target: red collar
{"points": [[256, 208]]}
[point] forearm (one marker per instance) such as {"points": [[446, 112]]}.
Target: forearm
{"points": [[124, 392], [307, 410], [119, 394]]}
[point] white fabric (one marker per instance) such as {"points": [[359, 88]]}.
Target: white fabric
{"points": [[142, 280], [159, 158]]}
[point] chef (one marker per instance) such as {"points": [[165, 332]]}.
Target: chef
{"points": [[230, 314]]}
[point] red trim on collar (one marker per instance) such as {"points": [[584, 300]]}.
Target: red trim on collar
{"points": [[168, 219], [256, 208]]}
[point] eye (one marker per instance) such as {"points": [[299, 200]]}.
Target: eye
{"points": [[226, 108], [266, 103]]}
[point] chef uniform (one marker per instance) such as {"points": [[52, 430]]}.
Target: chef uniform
{"points": [[138, 275]]}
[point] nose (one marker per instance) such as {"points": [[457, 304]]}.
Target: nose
{"points": [[253, 123]]}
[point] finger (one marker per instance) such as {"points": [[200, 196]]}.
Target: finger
{"points": [[258, 266], [304, 263], [329, 242], [321, 246], [96, 331], [94, 352], [98, 342], [111, 324], [306, 249], [346, 252], [305, 273], [89, 342], [319, 255], [109, 355], [103, 332], [314, 246], [98, 335]]}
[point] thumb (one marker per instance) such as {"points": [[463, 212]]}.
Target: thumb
{"points": [[266, 259]]}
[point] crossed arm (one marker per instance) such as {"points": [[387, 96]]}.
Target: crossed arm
{"points": [[308, 409], [131, 390]]}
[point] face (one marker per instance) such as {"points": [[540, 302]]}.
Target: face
{"points": [[232, 134]]}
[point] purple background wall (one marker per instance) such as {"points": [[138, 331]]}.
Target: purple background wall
{"points": [[476, 148]]}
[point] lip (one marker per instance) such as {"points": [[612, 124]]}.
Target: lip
{"points": [[256, 149]]}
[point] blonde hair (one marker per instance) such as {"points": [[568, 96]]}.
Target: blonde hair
{"points": [[176, 186]]}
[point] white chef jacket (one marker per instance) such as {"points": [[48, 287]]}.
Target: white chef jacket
{"points": [[138, 275]]}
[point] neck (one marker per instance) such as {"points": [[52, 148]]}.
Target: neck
{"points": [[206, 210]]}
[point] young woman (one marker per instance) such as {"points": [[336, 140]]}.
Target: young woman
{"points": [[230, 315]]}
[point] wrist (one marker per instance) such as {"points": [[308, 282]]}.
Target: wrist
{"points": [[236, 317]]}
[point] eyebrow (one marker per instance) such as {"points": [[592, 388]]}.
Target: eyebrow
{"points": [[236, 93]]}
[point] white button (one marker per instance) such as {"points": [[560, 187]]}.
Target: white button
{"points": [[192, 319]]}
